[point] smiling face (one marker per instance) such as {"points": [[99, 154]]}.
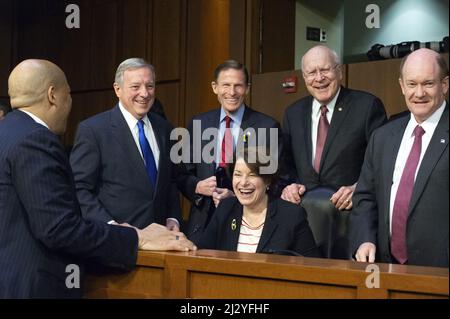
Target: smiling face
{"points": [[231, 89], [249, 187], [322, 74], [137, 92], [422, 84]]}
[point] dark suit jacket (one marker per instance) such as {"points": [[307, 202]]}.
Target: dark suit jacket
{"points": [[285, 228], [427, 225], [41, 229], [202, 206], [356, 115], [110, 174]]}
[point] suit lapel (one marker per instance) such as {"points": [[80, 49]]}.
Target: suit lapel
{"points": [[235, 218], [340, 112], [269, 226], [247, 119], [160, 140], [306, 120], [438, 143], [122, 134], [389, 160], [212, 121]]}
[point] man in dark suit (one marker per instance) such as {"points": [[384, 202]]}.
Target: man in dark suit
{"points": [[401, 200], [207, 184], [326, 135], [42, 235], [121, 157]]}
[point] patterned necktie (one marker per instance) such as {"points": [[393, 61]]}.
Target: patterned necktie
{"points": [[403, 198], [322, 131], [227, 144], [149, 159]]}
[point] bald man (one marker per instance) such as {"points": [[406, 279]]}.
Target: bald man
{"points": [[41, 229], [401, 200], [326, 134]]}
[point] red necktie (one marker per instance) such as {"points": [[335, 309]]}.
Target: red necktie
{"points": [[403, 198], [322, 131], [227, 144]]}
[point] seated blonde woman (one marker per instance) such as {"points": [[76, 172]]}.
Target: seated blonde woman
{"points": [[253, 221]]}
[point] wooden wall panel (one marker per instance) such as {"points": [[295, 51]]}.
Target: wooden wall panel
{"points": [[40, 23], [381, 79], [104, 47], [268, 96], [75, 50], [6, 52], [278, 35], [85, 105], [168, 94], [135, 18], [208, 46], [166, 39]]}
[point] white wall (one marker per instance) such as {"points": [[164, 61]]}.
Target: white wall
{"points": [[400, 20], [315, 14]]}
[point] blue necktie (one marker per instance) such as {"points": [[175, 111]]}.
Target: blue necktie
{"points": [[149, 159]]}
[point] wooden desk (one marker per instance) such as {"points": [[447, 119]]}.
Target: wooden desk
{"points": [[220, 274]]}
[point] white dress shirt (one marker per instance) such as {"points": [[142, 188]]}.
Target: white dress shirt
{"points": [[148, 131], [429, 125], [235, 125], [35, 118], [315, 117]]}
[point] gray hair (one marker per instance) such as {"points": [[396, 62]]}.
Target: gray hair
{"points": [[333, 54], [132, 64]]}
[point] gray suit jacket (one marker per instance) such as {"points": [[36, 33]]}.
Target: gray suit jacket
{"points": [[427, 225]]}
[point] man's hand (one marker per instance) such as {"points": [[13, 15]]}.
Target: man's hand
{"points": [[207, 186], [293, 193], [221, 193], [342, 199], [366, 251], [158, 237]]}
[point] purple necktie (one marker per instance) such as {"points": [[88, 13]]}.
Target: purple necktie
{"points": [[322, 131], [403, 198]]}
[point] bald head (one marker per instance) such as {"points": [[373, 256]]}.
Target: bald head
{"points": [[30, 80], [320, 51], [425, 56], [40, 87]]}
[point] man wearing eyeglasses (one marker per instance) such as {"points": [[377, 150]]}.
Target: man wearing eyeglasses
{"points": [[326, 135]]}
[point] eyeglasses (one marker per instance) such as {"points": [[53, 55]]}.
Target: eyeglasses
{"points": [[323, 72]]}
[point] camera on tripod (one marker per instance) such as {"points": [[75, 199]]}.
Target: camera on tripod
{"points": [[381, 52]]}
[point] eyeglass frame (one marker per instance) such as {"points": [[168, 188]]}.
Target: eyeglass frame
{"points": [[323, 72]]}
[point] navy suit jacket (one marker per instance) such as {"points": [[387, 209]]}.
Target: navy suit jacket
{"points": [[427, 224], [202, 206], [356, 115], [285, 229], [110, 175], [41, 229]]}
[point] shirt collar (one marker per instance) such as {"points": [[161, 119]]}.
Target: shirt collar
{"points": [[236, 116], [35, 118], [130, 119], [330, 106], [429, 124]]}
